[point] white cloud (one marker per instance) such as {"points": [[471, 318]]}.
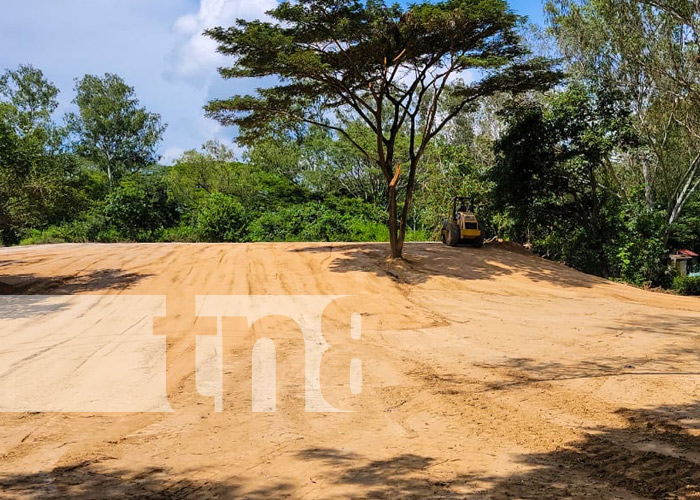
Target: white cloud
{"points": [[171, 154], [155, 45], [195, 59]]}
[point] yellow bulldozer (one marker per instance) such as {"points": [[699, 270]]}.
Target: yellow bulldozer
{"points": [[462, 226]]}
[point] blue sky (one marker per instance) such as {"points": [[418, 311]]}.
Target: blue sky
{"points": [[155, 45]]}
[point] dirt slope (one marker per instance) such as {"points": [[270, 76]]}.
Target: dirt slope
{"points": [[486, 374]]}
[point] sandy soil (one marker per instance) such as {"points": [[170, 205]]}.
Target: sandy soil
{"points": [[486, 374]]}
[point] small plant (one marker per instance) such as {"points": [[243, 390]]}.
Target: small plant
{"points": [[180, 234], [687, 285]]}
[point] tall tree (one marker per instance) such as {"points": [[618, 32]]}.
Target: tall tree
{"points": [[111, 128], [648, 50], [400, 71], [551, 174], [34, 173], [32, 98]]}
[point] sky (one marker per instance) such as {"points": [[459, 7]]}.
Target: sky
{"points": [[155, 45]]}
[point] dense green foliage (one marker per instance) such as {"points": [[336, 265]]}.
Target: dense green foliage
{"points": [[398, 72], [139, 206], [687, 285], [110, 129], [554, 179], [39, 181], [647, 52], [599, 173], [220, 218]]}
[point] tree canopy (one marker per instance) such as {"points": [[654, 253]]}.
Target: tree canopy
{"points": [[111, 128], [646, 50], [400, 71], [34, 171]]}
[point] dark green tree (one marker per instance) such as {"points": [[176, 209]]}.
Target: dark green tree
{"points": [[399, 70], [111, 129], [553, 174], [35, 174], [139, 206], [220, 218], [647, 49]]}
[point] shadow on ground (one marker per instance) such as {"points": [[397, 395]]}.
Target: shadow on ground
{"points": [[526, 371], [94, 281], [425, 260], [88, 481], [683, 325], [675, 358], [653, 456]]}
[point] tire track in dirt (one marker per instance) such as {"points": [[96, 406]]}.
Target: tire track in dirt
{"points": [[486, 375]]}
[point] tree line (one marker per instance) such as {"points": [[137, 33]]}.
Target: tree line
{"points": [[588, 153]]}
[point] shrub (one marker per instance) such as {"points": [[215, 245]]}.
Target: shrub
{"points": [[109, 235], [139, 207], [92, 226], [362, 230], [220, 218], [294, 223], [331, 220], [687, 285], [50, 235], [640, 256], [183, 233]]}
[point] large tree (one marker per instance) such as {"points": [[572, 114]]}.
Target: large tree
{"points": [[32, 98], [402, 71], [552, 174], [648, 51], [111, 128], [35, 175]]}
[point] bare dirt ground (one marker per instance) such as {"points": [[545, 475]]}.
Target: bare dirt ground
{"points": [[487, 374]]}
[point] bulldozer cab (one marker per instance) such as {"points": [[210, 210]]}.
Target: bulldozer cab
{"points": [[463, 226], [461, 206]]}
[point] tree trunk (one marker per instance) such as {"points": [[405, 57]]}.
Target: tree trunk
{"points": [[648, 188], [407, 203], [396, 246], [680, 197], [109, 175]]}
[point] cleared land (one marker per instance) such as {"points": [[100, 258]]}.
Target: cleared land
{"points": [[487, 374]]}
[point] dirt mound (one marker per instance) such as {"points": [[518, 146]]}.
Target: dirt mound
{"points": [[487, 373]]}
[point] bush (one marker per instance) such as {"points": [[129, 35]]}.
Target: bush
{"points": [[47, 236], [139, 207], [92, 226], [639, 255], [294, 223], [220, 218], [331, 220], [183, 233], [110, 235], [362, 230], [687, 285]]}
